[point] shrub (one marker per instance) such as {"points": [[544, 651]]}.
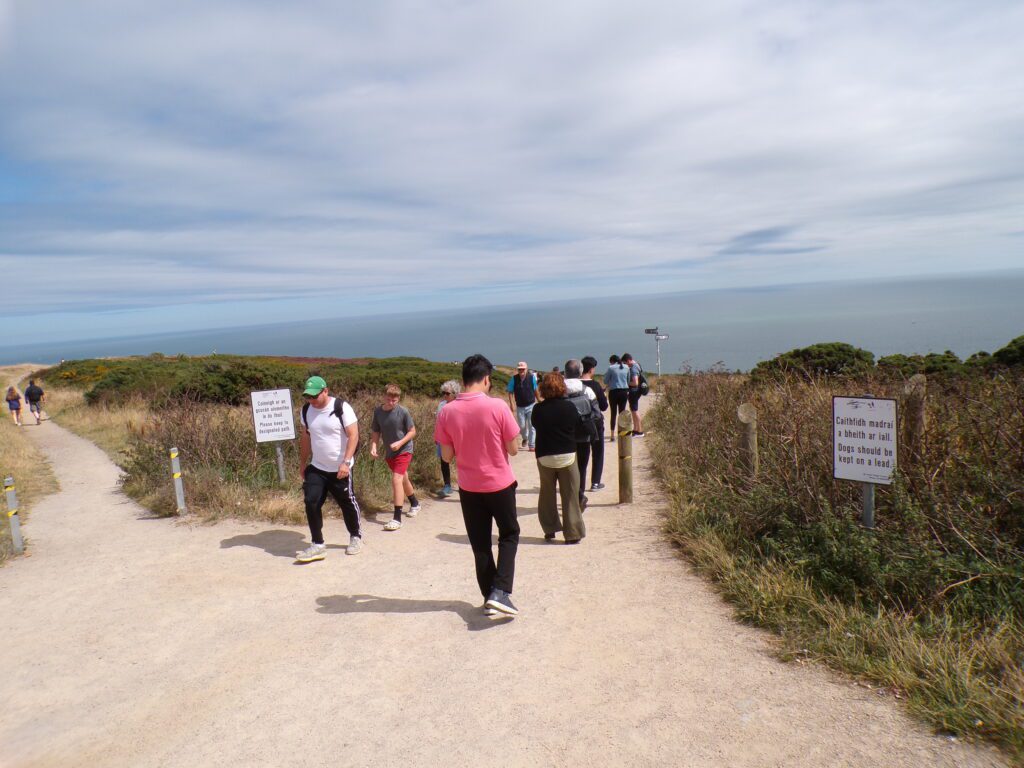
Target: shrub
{"points": [[1012, 354], [817, 360]]}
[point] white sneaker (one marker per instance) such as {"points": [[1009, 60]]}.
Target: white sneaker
{"points": [[355, 545], [413, 511], [311, 553], [392, 525]]}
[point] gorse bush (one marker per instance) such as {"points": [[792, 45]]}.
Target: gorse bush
{"points": [[832, 359], [943, 572]]}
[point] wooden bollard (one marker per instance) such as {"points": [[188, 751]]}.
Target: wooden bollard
{"points": [[12, 515], [179, 487], [625, 442], [914, 419], [747, 414]]}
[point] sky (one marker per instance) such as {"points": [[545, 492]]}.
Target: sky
{"points": [[193, 164]]}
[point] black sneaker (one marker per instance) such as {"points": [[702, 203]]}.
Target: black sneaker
{"points": [[583, 504], [501, 601], [549, 537], [597, 487]]}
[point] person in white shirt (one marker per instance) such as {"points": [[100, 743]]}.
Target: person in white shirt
{"points": [[327, 448], [573, 386]]}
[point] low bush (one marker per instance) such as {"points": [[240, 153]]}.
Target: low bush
{"points": [[817, 360], [931, 602]]}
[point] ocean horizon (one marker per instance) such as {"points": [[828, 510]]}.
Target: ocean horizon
{"points": [[731, 328]]}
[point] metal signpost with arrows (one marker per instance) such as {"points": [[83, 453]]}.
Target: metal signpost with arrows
{"points": [[658, 338]]}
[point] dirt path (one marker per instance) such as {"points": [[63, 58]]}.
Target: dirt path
{"points": [[130, 641]]}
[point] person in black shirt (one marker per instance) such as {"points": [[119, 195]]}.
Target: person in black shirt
{"points": [[555, 421], [35, 396], [595, 448]]}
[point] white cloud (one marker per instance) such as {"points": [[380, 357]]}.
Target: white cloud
{"points": [[401, 146]]}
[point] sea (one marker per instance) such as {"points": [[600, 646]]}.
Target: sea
{"points": [[732, 329]]}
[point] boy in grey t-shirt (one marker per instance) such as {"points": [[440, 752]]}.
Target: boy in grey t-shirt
{"points": [[393, 423]]}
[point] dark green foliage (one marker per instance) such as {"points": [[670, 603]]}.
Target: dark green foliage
{"points": [[1012, 354], [228, 379], [832, 359], [932, 364]]}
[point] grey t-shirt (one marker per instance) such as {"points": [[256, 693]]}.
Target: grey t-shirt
{"points": [[393, 425]]}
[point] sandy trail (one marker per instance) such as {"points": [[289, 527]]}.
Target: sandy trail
{"points": [[132, 641]]}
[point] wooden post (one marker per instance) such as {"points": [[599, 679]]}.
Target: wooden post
{"points": [[747, 414], [625, 442], [914, 423]]}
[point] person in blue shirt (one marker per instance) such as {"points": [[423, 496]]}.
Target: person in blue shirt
{"points": [[616, 381], [634, 393], [522, 396]]}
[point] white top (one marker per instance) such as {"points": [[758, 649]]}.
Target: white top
{"points": [[573, 386], [326, 436]]}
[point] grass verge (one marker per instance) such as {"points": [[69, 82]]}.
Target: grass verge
{"points": [[22, 460], [927, 606]]}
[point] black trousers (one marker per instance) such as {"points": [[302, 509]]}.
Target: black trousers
{"points": [[583, 453], [315, 489], [478, 512], [446, 472], [617, 400]]}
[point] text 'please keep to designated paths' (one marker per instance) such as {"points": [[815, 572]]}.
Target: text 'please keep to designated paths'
{"points": [[864, 439]]}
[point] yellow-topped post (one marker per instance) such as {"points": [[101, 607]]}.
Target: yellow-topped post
{"points": [[12, 515]]}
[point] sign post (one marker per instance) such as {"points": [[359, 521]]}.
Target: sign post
{"points": [[864, 446], [274, 421]]}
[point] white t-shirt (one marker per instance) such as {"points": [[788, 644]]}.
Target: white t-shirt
{"points": [[574, 386], [326, 436]]}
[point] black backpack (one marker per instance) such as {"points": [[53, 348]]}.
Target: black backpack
{"points": [[338, 405], [587, 417], [642, 384]]}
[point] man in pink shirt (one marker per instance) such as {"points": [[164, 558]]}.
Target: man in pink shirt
{"points": [[481, 433]]}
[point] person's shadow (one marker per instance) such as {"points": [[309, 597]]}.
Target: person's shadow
{"points": [[453, 538], [471, 614], [278, 543]]}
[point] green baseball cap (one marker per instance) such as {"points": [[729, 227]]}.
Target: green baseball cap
{"points": [[314, 386]]}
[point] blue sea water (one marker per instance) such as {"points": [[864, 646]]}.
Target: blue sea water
{"points": [[735, 328]]}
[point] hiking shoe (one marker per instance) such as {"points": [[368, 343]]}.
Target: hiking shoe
{"points": [[413, 511], [392, 525], [447, 491], [355, 545], [637, 434], [502, 602], [549, 537], [311, 553], [597, 487]]}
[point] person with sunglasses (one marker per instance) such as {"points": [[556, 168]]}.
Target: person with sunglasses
{"points": [[327, 448]]}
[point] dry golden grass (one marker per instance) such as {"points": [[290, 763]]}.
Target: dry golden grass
{"points": [[20, 459], [109, 426]]}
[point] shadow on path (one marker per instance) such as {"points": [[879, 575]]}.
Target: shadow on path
{"points": [[471, 614], [277, 543], [453, 538]]}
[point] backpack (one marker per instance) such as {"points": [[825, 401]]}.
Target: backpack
{"points": [[642, 385], [338, 405], [587, 417]]}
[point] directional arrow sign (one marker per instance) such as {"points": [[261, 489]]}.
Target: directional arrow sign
{"points": [[651, 330], [661, 336]]}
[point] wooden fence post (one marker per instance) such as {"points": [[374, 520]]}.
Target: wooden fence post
{"points": [[747, 415], [624, 440], [914, 420]]}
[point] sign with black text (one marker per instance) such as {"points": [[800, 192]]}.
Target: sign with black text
{"points": [[272, 415], [864, 439]]}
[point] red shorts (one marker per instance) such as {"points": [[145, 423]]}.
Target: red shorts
{"points": [[400, 464]]}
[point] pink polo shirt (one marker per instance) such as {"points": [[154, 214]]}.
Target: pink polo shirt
{"points": [[478, 427]]}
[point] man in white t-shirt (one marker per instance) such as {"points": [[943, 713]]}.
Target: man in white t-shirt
{"points": [[327, 447]]}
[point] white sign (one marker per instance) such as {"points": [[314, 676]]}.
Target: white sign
{"points": [[864, 439], [272, 415]]}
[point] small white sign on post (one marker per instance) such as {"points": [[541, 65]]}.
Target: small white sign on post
{"points": [[864, 439], [272, 415]]}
